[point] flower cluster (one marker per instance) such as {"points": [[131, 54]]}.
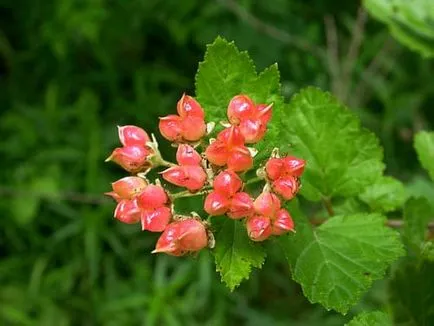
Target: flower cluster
{"points": [[211, 168]]}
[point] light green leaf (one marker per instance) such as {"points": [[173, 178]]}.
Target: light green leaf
{"points": [[374, 318], [385, 195], [342, 157], [410, 22], [417, 214], [424, 145], [337, 263], [235, 254]]}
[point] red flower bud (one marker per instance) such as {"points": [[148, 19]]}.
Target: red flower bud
{"points": [[188, 106], [241, 206], [187, 155], [294, 166], [131, 158], [231, 136], [264, 112], [258, 228], [274, 168], [127, 211], [252, 130], [132, 136], [217, 153], [267, 204], [287, 187], [192, 177], [216, 203], [193, 128], [282, 222], [240, 107], [181, 237], [240, 160], [128, 187], [156, 220], [152, 197], [171, 127], [227, 182]]}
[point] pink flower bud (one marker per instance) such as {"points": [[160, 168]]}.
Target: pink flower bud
{"points": [[193, 128], [240, 159], [217, 153], [227, 182], [188, 106], [132, 136], [264, 112], [181, 237], [131, 158], [155, 220], [287, 187], [171, 127], [187, 155], [114, 195], [216, 203], [240, 107], [274, 168], [127, 211], [241, 206], [267, 204], [231, 136], [152, 197], [252, 130], [192, 177], [128, 187], [294, 166], [282, 222], [258, 228]]}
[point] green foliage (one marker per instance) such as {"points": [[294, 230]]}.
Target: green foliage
{"points": [[386, 194], [417, 214], [424, 145], [375, 318], [410, 22], [336, 263], [235, 253], [343, 158]]}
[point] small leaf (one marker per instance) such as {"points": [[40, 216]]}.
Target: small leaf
{"points": [[337, 263], [385, 195], [342, 157], [424, 145], [417, 214], [374, 318], [235, 254]]}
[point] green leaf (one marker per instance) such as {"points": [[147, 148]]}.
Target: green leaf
{"points": [[235, 254], [374, 318], [412, 293], [337, 263], [386, 195], [342, 157], [410, 22], [424, 145], [417, 214], [226, 72]]}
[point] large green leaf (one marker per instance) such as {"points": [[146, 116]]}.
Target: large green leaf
{"points": [[235, 254], [337, 263], [410, 21], [342, 157], [424, 145], [374, 318], [387, 194]]}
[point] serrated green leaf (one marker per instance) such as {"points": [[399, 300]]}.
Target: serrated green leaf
{"points": [[412, 293], [417, 214], [410, 22], [337, 263], [385, 195], [424, 145], [226, 72], [342, 157], [374, 318], [235, 254]]}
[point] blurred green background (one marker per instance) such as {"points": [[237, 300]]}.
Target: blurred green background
{"points": [[71, 70]]}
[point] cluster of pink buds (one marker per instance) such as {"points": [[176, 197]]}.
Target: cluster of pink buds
{"points": [[204, 168]]}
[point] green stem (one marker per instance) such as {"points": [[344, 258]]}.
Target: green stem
{"points": [[187, 193], [328, 205], [254, 180]]}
